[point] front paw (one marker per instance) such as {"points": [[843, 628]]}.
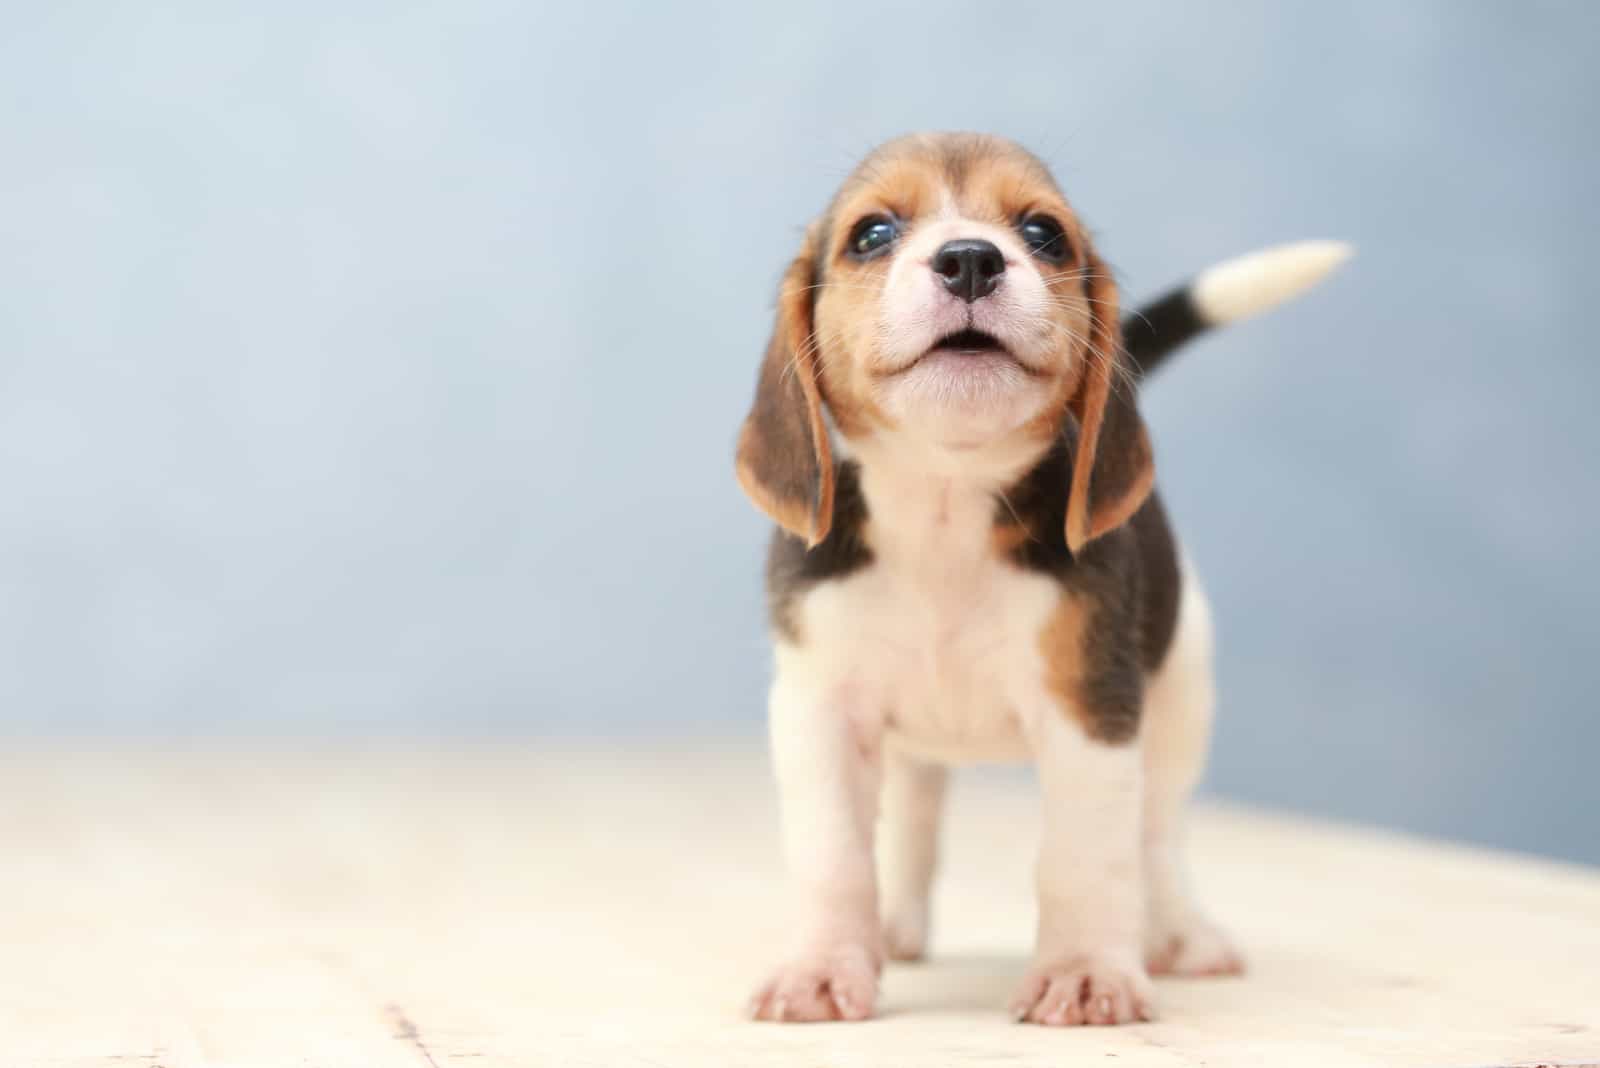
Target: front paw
{"points": [[836, 983], [1088, 989]]}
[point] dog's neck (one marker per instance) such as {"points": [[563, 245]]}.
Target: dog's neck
{"points": [[936, 506]]}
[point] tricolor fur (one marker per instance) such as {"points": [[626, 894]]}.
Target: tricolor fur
{"points": [[971, 563]]}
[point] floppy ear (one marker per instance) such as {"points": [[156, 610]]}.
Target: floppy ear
{"points": [[784, 463], [1113, 469]]}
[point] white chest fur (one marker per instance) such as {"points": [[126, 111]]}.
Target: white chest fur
{"points": [[937, 641]]}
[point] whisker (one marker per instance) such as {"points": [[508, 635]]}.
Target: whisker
{"points": [[1005, 500]]}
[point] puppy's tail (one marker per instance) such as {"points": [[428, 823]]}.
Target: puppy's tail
{"points": [[1228, 291]]}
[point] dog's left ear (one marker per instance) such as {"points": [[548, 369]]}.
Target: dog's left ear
{"points": [[1113, 468], [784, 462]]}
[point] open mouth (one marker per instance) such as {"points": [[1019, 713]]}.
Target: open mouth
{"points": [[969, 341], [968, 351]]}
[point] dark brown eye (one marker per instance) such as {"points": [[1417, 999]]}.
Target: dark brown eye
{"points": [[872, 235], [1045, 238]]}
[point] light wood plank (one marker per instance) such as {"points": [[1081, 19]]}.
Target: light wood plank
{"points": [[566, 907]]}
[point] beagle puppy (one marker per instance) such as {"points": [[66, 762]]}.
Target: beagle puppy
{"points": [[971, 564]]}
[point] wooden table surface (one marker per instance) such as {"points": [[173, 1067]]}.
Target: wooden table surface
{"points": [[558, 906]]}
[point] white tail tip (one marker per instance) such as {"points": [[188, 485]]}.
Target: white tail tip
{"points": [[1249, 284]]}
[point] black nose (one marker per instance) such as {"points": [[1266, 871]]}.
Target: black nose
{"points": [[969, 269]]}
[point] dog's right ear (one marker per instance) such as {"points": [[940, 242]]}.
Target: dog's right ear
{"points": [[784, 463]]}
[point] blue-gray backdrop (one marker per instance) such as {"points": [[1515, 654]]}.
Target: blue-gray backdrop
{"points": [[373, 369]]}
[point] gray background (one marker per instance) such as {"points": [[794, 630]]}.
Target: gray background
{"points": [[375, 372]]}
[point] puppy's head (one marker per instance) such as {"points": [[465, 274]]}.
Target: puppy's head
{"points": [[949, 299]]}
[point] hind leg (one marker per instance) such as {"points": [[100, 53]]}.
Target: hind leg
{"points": [[1179, 705], [908, 840]]}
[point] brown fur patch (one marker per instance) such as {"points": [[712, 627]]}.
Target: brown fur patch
{"points": [[1061, 644], [1090, 664], [1091, 650], [1009, 536]]}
